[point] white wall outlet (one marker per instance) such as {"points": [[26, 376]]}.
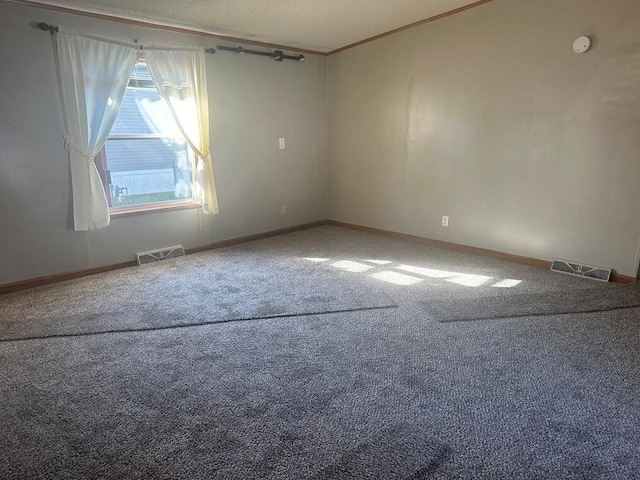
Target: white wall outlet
{"points": [[445, 221], [281, 143], [283, 210]]}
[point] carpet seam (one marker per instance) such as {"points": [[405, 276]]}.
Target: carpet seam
{"points": [[501, 317], [196, 324]]}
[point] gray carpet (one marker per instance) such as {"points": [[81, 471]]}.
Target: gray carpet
{"points": [[533, 304], [242, 283], [373, 458], [387, 393]]}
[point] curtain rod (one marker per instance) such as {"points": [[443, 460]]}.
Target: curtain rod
{"points": [[277, 55], [45, 27]]}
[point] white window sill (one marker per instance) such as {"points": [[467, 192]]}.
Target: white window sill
{"points": [[151, 208]]}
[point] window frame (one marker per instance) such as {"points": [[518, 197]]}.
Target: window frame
{"points": [[100, 161]]}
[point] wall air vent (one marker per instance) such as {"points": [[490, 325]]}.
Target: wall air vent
{"points": [[581, 270], [160, 254]]}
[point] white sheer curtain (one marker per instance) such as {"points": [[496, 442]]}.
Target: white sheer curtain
{"points": [[93, 78], [181, 79]]}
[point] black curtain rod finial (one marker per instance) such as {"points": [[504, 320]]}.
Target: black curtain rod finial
{"points": [[45, 27]]}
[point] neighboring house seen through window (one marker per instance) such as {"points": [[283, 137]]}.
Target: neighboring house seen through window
{"points": [[145, 160]]}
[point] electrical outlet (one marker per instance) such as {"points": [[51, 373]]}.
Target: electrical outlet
{"points": [[281, 143], [283, 210], [445, 221]]}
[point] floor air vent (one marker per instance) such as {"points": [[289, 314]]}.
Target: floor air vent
{"points": [[581, 269], [160, 254]]}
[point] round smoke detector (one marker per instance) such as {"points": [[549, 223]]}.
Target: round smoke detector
{"points": [[581, 44]]}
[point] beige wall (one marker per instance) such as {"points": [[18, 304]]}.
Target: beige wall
{"points": [[486, 116], [489, 117], [254, 101]]}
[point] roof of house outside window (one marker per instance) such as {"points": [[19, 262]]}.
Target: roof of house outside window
{"points": [[138, 117]]}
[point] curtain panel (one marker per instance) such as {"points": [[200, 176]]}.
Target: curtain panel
{"points": [[93, 77], [180, 77]]}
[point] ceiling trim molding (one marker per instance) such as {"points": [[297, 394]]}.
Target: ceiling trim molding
{"points": [[228, 38], [411, 25], [160, 26]]}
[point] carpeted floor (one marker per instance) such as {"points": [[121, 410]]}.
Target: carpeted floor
{"points": [[256, 280], [370, 393], [532, 304]]}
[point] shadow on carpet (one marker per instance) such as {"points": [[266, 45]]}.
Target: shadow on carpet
{"points": [[210, 287], [401, 451], [535, 304]]}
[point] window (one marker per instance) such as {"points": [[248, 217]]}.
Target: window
{"points": [[145, 162]]}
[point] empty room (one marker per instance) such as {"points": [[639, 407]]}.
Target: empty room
{"points": [[358, 239]]}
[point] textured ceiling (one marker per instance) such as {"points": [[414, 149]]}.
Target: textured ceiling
{"points": [[320, 25]]}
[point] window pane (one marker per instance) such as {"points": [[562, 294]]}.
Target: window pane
{"points": [[147, 158], [148, 170], [143, 112], [141, 72]]}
